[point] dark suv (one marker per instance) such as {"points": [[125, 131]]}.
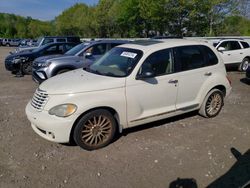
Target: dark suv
{"points": [[50, 39], [26, 58]]}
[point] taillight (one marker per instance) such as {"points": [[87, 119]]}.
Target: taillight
{"points": [[229, 81]]}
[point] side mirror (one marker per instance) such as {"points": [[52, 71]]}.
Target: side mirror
{"points": [[88, 54], [145, 75], [221, 49]]}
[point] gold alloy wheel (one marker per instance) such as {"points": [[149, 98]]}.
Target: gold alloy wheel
{"points": [[96, 130], [214, 104]]}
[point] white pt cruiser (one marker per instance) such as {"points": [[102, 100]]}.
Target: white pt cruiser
{"points": [[132, 84]]}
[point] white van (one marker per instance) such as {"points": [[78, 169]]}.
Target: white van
{"points": [[131, 85]]}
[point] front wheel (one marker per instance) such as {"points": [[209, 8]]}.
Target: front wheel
{"points": [[244, 65], [95, 130], [27, 68], [212, 104]]}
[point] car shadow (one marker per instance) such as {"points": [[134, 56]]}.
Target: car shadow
{"points": [[158, 123], [245, 81], [238, 176]]}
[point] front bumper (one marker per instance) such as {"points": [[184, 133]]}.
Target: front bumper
{"points": [[50, 127]]}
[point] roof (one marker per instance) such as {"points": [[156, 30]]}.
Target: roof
{"points": [[149, 45]]}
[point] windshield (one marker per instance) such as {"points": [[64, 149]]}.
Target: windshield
{"points": [[76, 49], [118, 62], [39, 40]]}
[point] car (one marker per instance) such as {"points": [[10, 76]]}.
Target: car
{"points": [[11, 42], [234, 52], [248, 73], [81, 55], [26, 57], [132, 84], [49, 39]]}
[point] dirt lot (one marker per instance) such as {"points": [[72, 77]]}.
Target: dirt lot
{"points": [[154, 155]]}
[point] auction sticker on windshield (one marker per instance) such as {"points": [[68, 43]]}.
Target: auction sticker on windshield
{"points": [[129, 54]]}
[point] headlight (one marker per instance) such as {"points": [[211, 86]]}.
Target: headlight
{"points": [[19, 59], [45, 64], [63, 110]]}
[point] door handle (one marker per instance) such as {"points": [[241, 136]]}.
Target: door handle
{"points": [[172, 81], [228, 54], [208, 74], [241, 53]]}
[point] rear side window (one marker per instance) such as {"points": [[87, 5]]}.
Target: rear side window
{"points": [[160, 62], [245, 44], [61, 40], [190, 57], [73, 39]]}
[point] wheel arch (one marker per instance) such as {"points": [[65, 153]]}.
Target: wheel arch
{"points": [[57, 69], [222, 88], [111, 110]]}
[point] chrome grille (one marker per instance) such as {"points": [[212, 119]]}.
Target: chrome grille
{"points": [[39, 99]]}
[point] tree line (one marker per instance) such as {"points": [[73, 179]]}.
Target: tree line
{"points": [[137, 18]]}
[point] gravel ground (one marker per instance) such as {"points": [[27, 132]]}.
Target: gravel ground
{"points": [[186, 149]]}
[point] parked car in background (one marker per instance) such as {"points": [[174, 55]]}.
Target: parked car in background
{"points": [[11, 42], [50, 39], [248, 73], [27, 57], [130, 85], [234, 52], [81, 55]]}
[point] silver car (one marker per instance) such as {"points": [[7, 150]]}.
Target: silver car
{"points": [[80, 56]]}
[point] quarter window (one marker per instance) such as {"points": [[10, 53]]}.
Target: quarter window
{"points": [[159, 62], [211, 57]]}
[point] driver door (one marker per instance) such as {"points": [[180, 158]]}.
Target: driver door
{"points": [[152, 98]]}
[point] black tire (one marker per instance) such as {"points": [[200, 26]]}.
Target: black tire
{"points": [[244, 65], [95, 130], [63, 71], [212, 104], [27, 68]]}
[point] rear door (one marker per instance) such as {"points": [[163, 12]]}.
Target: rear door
{"points": [[195, 67]]}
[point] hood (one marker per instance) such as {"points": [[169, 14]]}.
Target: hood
{"points": [[20, 54], [48, 57], [79, 81], [27, 48]]}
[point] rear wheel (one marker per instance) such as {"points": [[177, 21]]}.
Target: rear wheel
{"points": [[95, 130], [212, 104], [27, 67], [244, 65]]}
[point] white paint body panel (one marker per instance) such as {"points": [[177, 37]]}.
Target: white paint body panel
{"points": [[135, 101]]}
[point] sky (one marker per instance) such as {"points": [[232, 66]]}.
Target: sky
{"points": [[39, 9]]}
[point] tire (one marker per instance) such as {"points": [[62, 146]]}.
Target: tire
{"points": [[244, 65], [8, 45], [27, 68], [62, 71], [95, 130], [212, 104]]}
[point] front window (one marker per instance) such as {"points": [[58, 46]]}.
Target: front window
{"points": [[118, 62]]}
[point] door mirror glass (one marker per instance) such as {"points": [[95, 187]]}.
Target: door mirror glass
{"points": [[88, 54], [221, 49], [146, 74]]}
